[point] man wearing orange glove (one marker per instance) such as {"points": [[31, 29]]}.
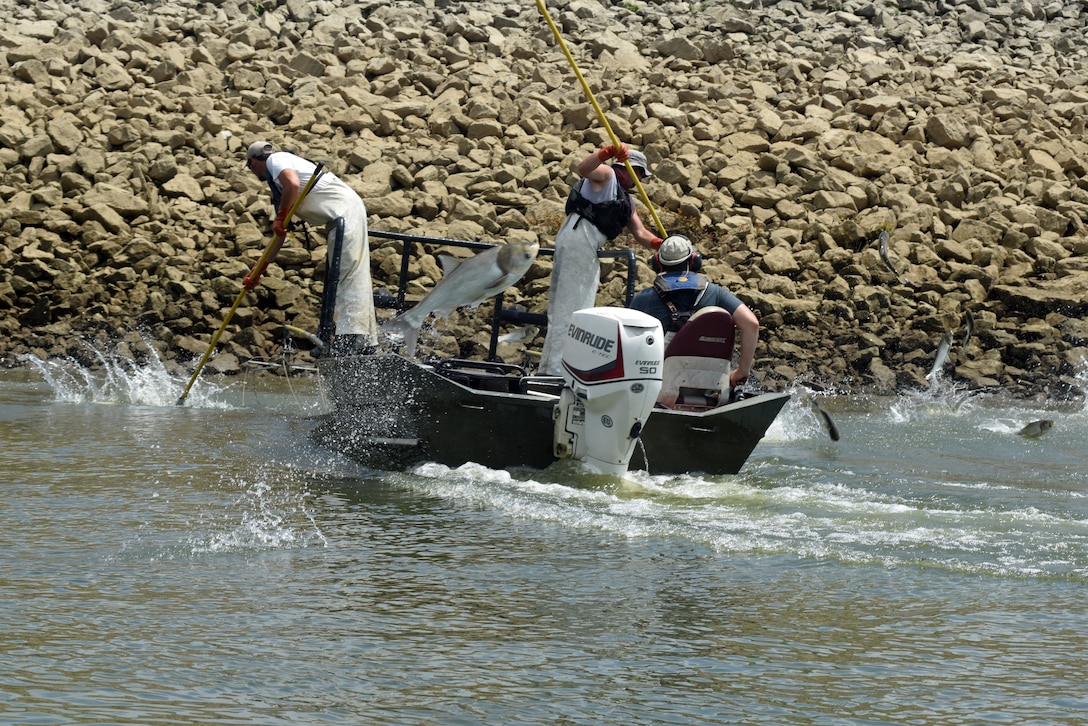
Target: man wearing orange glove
{"points": [[598, 209], [335, 205]]}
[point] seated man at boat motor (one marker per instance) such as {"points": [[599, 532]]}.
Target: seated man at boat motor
{"points": [[332, 203], [679, 291]]}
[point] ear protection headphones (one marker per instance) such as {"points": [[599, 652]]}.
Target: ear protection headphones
{"points": [[694, 262]]}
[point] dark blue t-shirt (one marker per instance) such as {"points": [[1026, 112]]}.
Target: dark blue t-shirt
{"points": [[649, 302]]}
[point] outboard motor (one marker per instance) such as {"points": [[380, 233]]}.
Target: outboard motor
{"points": [[612, 361]]}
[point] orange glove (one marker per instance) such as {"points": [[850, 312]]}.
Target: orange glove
{"points": [[251, 280], [278, 226], [655, 243], [611, 152]]}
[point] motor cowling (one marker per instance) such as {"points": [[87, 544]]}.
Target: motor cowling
{"points": [[612, 362]]}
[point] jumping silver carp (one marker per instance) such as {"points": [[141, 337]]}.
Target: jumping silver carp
{"points": [[464, 282], [520, 335], [969, 328], [832, 429], [942, 355], [1036, 429], [883, 244]]}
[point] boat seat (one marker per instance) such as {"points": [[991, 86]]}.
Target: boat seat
{"points": [[698, 360], [482, 375]]}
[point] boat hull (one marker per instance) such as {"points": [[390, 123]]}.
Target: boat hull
{"points": [[391, 412]]}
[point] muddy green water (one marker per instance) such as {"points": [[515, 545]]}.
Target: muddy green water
{"points": [[206, 564]]}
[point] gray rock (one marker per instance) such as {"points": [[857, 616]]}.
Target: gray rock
{"points": [[784, 137]]}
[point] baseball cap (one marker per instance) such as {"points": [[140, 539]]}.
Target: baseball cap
{"points": [[258, 149], [676, 249], [637, 158]]}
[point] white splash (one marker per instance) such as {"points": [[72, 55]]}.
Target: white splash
{"points": [[264, 518], [119, 380]]}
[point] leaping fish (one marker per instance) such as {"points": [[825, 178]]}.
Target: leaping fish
{"points": [[832, 429], [969, 328], [520, 335], [1035, 429], [942, 355], [883, 243], [464, 282]]}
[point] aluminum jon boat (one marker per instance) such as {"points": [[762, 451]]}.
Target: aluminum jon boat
{"points": [[606, 411]]}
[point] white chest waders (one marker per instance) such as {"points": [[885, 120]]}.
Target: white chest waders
{"points": [[576, 274], [347, 307]]}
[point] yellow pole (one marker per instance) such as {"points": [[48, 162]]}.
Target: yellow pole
{"points": [[260, 266], [600, 114]]}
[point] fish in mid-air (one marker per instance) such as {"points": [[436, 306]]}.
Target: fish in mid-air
{"points": [[942, 355], [832, 429], [969, 328], [883, 244], [464, 282], [520, 335], [1035, 429]]}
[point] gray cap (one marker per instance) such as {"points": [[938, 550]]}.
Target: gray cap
{"points": [[637, 158], [675, 250], [258, 150]]}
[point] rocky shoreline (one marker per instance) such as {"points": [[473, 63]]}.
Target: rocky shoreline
{"points": [[784, 137]]}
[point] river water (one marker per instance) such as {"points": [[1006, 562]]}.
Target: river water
{"points": [[207, 564]]}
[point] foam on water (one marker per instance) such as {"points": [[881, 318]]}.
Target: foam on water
{"points": [[929, 478], [916, 481], [261, 516], [263, 507]]}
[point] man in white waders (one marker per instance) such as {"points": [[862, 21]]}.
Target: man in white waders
{"points": [[348, 312], [598, 209]]}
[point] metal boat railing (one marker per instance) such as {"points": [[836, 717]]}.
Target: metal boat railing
{"points": [[502, 315]]}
